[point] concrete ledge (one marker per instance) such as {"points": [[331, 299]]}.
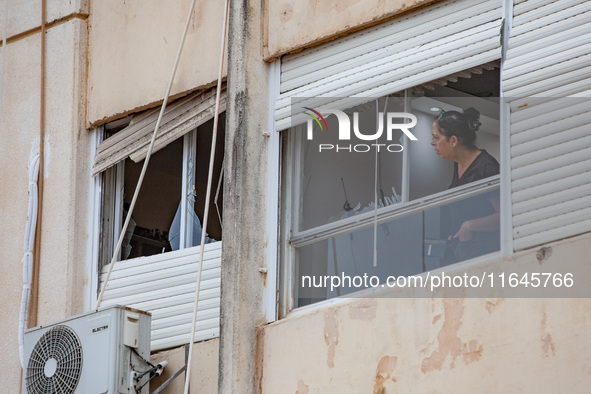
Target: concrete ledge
{"points": [[324, 20]]}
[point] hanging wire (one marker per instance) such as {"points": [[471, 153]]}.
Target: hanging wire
{"points": [[376, 180], [217, 195], [207, 196]]}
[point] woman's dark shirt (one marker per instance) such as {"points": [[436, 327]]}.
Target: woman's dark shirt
{"points": [[482, 167], [475, 207]]}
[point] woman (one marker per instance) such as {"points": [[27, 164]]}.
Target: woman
{"points": [[474, 222]]}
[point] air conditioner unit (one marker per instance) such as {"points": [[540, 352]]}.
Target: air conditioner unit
{"points": [[96, 352]]}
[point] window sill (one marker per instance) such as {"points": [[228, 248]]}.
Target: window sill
{"points": [[394, 211], [393, 292]]}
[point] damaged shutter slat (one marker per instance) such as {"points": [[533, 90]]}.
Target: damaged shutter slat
{"points": [[180, 117]]}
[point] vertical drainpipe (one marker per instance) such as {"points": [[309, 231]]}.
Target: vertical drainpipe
{"points": [[33, 308]]}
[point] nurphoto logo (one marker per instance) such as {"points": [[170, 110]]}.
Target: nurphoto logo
{"points": [[394, 121]]}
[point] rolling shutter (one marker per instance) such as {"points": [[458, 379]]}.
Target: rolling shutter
{"points": [[180, 117], [165, 287], [548, 59], [419, 47]]}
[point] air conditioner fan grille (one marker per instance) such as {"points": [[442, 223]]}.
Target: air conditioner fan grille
{"points": [[55, 363]]}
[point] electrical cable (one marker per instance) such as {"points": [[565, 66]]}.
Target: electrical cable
{"points": [[217, 194], [207, 196], [375, 201], [147, 159], [143, 359], [376, 180], [28, 256]]}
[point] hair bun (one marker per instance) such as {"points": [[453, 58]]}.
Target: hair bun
{"points": [[472, 116]]}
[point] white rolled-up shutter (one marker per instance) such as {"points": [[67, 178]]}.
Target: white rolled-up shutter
{"points": [[549, 58], [180, 117], [422, 46], [164, 285]]}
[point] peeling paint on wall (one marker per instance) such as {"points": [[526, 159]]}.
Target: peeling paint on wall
{"points": [[302, 388], [472, 351], [548, 345], [449, 344], [363, 310], [331, 335], [384, 372], [491, 306]]}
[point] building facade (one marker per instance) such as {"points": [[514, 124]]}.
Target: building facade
{"points": [[292, 204]]}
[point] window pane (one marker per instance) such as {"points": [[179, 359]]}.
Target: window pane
{"points": [[348, 254], [447, 242], [337, 178], [407, 245], [330, 180], [199, 166], [157, 201], [430, 173]]}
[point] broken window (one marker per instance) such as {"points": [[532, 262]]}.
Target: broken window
{"points": [[169, 211]]}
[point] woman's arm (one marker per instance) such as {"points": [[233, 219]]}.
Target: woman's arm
{"points": [[486, 223]]}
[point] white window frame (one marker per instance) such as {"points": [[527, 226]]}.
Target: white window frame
{"points": [[285, 261], [271, 297], [275, 298], [188, 175], [506, 217]]}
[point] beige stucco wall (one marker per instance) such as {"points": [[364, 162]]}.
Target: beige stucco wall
{"points": [[18, 127], [294, 24], [25, 15], [65, 197], [204, 368], [439, 345], [67, 211], [132, 48], [62, 274]]}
